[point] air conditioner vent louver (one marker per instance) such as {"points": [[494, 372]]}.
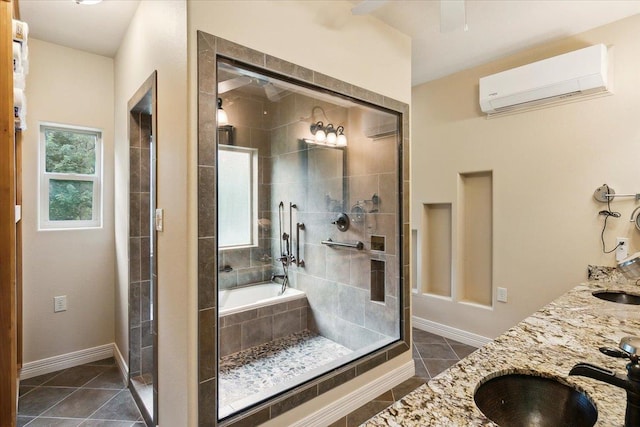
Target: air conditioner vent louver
{"points": [[580, 72]]}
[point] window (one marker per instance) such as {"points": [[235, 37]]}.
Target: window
{"points": [[237, 196], [70, 177]]}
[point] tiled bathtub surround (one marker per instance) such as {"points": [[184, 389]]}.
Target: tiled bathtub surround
{"points": [[241, 331], [208, 263], [266, 369]]}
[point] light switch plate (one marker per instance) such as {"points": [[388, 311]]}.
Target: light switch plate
{"points": [[59, 303], [159, 219]]}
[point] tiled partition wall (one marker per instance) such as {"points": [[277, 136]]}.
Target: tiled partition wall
{"points": [[208, 48], [241, 331], [140, 323]]}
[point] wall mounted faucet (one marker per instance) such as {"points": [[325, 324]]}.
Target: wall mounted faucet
{"points": [[628, 350]]}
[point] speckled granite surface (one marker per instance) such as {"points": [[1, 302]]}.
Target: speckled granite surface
{"points": [[548, 343]]}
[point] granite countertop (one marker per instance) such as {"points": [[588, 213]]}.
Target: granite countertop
{"points": [[550, 342]]}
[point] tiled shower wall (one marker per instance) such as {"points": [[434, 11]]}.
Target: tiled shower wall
{"points": [[140, 323], [337, 281], [250, 129]]}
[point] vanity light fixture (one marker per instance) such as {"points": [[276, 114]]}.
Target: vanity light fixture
{"points": [[327, 135], [223, 120]]}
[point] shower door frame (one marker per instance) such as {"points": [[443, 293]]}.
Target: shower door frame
{"points": [[147, 95], [210, 48]]}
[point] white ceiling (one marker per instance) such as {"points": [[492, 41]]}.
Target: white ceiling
{"points": [[95, 28], [496, 28]]}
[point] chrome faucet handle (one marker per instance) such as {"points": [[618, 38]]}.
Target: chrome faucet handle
{"points": [[630, 345]]}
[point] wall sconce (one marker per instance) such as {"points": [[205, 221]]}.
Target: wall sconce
{"points": [[223, 120], [326, 135], [317, 130]]}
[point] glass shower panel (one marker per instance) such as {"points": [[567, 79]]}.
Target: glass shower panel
{"points": [[316, 290]]}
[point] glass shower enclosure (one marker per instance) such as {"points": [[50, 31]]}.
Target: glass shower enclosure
{"points": [[308, 213]]}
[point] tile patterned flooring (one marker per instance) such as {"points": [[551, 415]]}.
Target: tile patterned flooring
{"points": [[94, 395], [90, 395], [432, 354]]}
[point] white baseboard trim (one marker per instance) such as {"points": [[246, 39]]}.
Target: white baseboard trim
{"points": [[352, 401], [121, 362], [450, 332], [64, 361]]}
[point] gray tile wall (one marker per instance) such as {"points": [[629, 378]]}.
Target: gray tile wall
{"points": [[250, 127], [140, 324], [241, 331], [337, 280]]}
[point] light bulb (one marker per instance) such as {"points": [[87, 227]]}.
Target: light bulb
{"points": [[321, 136], [342, 138], [331, 134]]}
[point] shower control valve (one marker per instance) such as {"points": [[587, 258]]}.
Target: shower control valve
{"points": [[342, 222]]}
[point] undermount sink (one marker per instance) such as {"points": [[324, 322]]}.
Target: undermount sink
{"points": [[620, 297], [515, 400]]}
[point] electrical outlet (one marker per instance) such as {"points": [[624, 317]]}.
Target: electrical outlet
{"points": [[59, 303], [502, 294], [622, 248]]}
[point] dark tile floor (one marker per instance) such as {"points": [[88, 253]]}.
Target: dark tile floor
{"points": [[94, 395], [91, 395], [432, 354]]}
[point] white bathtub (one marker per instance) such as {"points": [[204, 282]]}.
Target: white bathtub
{"points": [[255, 296]]}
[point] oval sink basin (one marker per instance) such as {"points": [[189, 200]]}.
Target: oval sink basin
{"points": [[525, 400], [620, 297]]}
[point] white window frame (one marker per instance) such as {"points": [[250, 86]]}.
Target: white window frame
{"points": [[252, 155], [43, 188]]}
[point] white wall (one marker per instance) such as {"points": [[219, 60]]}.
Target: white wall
{"points": [[546, 165], [320, 35], [67, 86], [156, 40]]}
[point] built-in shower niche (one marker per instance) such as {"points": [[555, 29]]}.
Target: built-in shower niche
{"points": [[290, 308]]}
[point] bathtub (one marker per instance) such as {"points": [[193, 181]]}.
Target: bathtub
{"points": [[254, 315], [255, 296]]}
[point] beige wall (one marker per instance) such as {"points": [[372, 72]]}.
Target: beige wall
{"points": [[156, 40], [320, 35], [546, 165], [67, 86]]}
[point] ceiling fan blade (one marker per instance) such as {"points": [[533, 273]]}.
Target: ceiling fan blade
{"points": [[231, 84], [365, 7], [453, 15], [273, 94]]}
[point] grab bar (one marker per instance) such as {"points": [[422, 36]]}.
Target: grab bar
{"points": [[299, 262], [356, 245]]}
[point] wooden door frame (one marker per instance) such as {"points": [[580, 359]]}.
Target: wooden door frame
{"points": [[8, 259]]}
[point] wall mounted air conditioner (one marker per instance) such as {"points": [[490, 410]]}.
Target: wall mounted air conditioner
{"points": [[581, 72]]}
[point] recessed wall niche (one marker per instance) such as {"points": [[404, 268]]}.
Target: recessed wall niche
{"points": [[476, 237], [436, 249]]}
